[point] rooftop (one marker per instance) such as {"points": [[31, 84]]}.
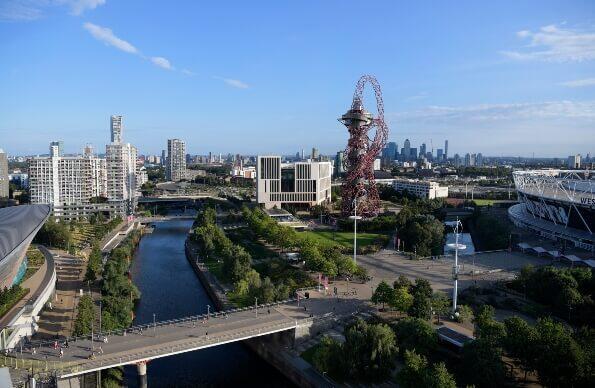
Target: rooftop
{"points": [[17, 223]]}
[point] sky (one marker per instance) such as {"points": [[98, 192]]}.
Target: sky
{"points": [[272, 77]]}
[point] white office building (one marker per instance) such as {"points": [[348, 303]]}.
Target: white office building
{"points": [[300, 183], [574, 161], [175, 168], [421, 189], [71, 184]]}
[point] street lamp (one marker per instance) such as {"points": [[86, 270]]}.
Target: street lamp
{"points": [[154, 323], [457, 227], [355, 217], [256, 306]]}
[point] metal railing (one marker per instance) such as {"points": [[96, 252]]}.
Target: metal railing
{"points": [[139, 328]]}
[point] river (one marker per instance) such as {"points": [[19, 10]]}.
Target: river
{"points": [[170, 289]]}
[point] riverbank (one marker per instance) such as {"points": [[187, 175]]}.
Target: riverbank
{"points": [[293, 367]]}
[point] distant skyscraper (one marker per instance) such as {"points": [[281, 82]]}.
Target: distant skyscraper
{"points": [[176, 160], [422, 150], [3, 174], [116, 129], [163, 157], [467, 159], [339, 167], [407, 150], [479, 160], [439, 155], [413, 153], [315, 154], [303, 154], [59, 146], [457, 160], [574, 161], [445, 150]]}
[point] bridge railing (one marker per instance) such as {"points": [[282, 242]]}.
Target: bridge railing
{"points": [[99, 336], [73, 368]]}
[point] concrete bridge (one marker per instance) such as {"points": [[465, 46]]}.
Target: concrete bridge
{"points": [[140, 344]]}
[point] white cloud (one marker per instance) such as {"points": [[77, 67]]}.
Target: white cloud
{"points": [[234, 83], [579, 83], [188, 72], [106, 36], [554, 44], [503, 112], [27, 10], [162, 62], [418, 96], [19, 11], [78, 7]]}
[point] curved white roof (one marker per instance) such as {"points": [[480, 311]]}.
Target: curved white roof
{"points": [[17, 223]]}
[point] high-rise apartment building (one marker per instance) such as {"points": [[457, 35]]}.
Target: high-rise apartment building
{"points": [[3, 175], [439, 155], [68, 183], [116, 128], [445, 150], [422, 150], [176, 160], [479, 160], [301, 183], [574, 161], [60, 147], [121, 169]]}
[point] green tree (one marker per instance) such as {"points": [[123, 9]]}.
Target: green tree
{"points": [[369, 350], [94, 265], [421, 306], [402, 300], [416, 334], [465, 313], [328, 357], [422, 287], [559, 361], [416, 373], [440, 304], [487, 327], [383, 294], [519, 342], [482, 363], [402, 281]]}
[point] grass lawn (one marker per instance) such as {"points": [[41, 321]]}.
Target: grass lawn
{"points": [[485, 202], [245, 238], [215, 268], [343, 238]]}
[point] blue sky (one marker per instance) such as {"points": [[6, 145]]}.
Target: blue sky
{"points": [[501, 78]]}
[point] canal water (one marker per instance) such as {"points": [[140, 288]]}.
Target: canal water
{"points": [[170, 289]]}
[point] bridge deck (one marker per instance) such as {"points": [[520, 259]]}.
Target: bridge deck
{"points": [[177, 336]]}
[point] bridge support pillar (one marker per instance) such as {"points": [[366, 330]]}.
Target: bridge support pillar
{"points": [[141, 367]]}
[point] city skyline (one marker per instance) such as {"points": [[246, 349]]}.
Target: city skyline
{"points": [[523, 79]]}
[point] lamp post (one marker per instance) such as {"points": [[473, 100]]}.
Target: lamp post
{"points": [[355, 217], [154, 325], [458, 226], [256, 306]]}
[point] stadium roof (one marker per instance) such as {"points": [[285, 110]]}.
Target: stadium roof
{"points": [[17, 223]]}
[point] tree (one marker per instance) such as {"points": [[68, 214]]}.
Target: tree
{"points": [[369, 350], [402, 299], [422, 287], [328, 357], [425, 233], [402, 281], [383, 294], [94, 264], [417, 374], [487, 327], [482, 363], [519, 342], [559, 361], [440, 304], [416, 334], [421, 306], [465, 313]]}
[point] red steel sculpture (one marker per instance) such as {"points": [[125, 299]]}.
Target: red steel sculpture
{"points": [[361, 152]]}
